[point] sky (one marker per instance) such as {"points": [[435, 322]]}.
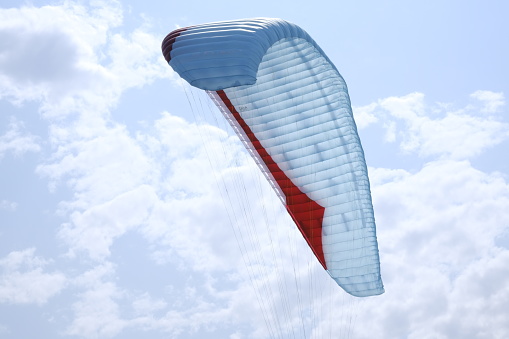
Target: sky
{"points": [[128, 207]]}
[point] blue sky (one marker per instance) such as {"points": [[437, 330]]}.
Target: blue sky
{"points": [[122, 216]]}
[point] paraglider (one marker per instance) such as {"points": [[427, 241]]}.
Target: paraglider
{"points": [[290, 107]]}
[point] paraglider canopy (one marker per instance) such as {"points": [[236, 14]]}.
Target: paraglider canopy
{"points": [[290, 107]]}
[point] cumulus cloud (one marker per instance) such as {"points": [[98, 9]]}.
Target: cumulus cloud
{"points": [[437, 231], [492, 101], [97, 161], [68, 58], [96, 312], [24, 281], [95, 229], [48, 52], [17, 140], [440, 130], [364, 115], [144, 305]]}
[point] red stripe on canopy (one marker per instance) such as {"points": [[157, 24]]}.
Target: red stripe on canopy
{"points": [[306, 213]]}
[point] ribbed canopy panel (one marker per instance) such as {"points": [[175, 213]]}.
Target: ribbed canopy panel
{"points": [[291, 108]]}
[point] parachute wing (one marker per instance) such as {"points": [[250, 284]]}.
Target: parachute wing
{"points": [[290, 106]]}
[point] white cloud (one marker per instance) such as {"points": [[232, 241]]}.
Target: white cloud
{"points": [[69, 58], [447, 200], [95, 229], [492, 101], [48, 52], [364, 115], [479, 298], [136, 59], [97, 313], [440, 130], [390, 131], [23, 280], [441, 266], [97, 161], [17, 140], [146, 305]]}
